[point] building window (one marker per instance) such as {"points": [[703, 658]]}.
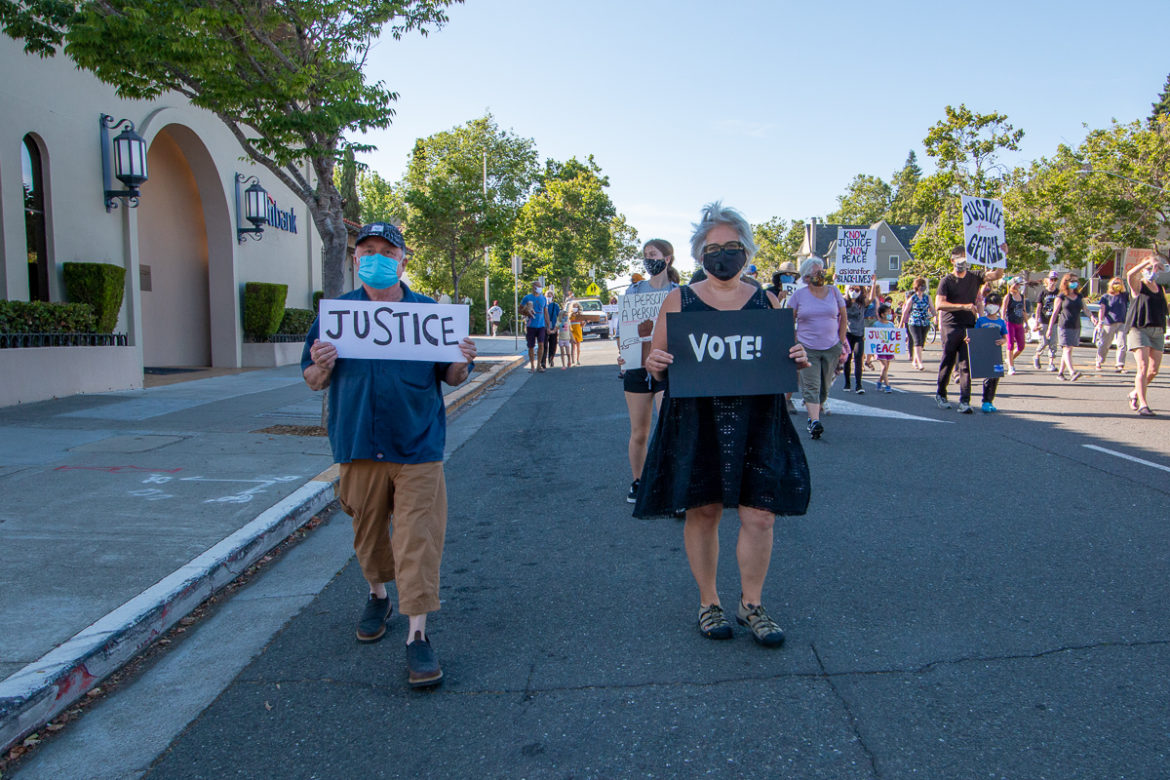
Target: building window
{"points": [[895, 263], [34, 219], [883, 239]]}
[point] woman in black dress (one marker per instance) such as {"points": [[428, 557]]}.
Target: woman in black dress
{"points": [[737, 452]]}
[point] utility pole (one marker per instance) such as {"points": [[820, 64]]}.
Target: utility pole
{"points": [[487, 268]]}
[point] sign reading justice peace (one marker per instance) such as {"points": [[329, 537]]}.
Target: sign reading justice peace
{"points": [[731, 352], [381, 330]]}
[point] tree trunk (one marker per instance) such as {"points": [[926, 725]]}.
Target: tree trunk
{"points": [[325, 207]]}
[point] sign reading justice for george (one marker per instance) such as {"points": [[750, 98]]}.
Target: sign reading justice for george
{"points": [[731, 352], [379, 330]]}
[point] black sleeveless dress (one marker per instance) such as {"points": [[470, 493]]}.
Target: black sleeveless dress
{"points": [[727, 450]]}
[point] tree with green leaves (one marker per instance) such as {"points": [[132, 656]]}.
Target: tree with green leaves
{"points": [[454, 210], [381, 201], [1162, 106], [965, 147], [569, 230], [777, 241], [285, 78], [903, 209], [867, 199]]}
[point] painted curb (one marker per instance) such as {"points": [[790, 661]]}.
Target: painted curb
{"points": [[36, 694]]}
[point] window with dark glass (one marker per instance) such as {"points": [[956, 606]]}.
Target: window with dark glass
{"points": [[34, 220]]}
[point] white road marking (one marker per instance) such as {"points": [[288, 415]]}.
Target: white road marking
{"points": [[1127, 457], [840, 406]]}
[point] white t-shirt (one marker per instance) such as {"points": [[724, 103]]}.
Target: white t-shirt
{"points": [[495, 313]]}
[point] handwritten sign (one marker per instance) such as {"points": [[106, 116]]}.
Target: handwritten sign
{"points": [[983, 231], [634, 310], [856, 256], [731, 352], [885, 342], [377, 330]]}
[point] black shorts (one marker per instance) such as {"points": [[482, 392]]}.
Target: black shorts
{"points": [[533, 335], [918, 335], [636, 380]]}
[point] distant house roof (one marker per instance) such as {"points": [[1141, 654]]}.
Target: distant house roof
{"points": [[905, 234]]}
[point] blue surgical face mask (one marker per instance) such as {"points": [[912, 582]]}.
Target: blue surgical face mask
{"points": [[1073, 285], [378, 271]]}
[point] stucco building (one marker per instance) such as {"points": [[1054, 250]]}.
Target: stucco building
{"points": [[185, 265]]}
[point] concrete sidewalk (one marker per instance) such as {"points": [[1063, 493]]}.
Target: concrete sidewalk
{"points": [[123, 511]]}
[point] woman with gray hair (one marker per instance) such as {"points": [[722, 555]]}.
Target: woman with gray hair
{"points": [[821, 324], [712, 453]]}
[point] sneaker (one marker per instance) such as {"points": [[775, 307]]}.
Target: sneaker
{"points": [[846, 389], [712, 623], [942, 402], [632, 496], [987, 407], [859, 390], [964, 407], [1075, 376], [1011, 372], [421, 663], [815, 428], [887, 389], [1036, 362], [764, 629], [1052, 369], [372, 626]]}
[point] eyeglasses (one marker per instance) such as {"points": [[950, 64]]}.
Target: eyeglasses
{"points": [[730, 246]]}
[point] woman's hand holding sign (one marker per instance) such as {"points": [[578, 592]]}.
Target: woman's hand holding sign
{"points": [[798, 354]]}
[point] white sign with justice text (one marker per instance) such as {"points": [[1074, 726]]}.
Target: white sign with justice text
{"points": [[856, 256], [983, 231], [384, 330]]}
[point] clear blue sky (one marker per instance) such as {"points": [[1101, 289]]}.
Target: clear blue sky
{"points": [[771, 106]]}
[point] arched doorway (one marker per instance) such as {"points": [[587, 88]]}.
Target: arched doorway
{"points": [[173, 260]]}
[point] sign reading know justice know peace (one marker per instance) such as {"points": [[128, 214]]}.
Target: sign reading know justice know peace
{"points": [[731, 352], [856, 256], [380, 330]]}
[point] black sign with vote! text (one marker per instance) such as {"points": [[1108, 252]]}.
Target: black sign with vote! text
{"points": [[731, 352]]}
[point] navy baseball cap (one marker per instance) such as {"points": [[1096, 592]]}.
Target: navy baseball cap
{"points": [[381, 230]]}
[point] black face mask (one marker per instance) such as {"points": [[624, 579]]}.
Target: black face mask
{"points": [[725, 264], [654, 266]]}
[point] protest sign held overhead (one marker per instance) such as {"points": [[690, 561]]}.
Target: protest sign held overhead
{"points": [[856, 256], [983, 231], [731, 352], [380, 330], [885, 342], [637, 313]]}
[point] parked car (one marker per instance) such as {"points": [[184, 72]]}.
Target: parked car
{"points": [[593, 318], [1086, 323]]}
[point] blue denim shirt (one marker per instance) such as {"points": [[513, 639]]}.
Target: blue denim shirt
{"points": [[384, 410]]}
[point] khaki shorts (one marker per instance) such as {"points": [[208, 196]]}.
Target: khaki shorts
{"points": [[1153, 338], [399, 513]]}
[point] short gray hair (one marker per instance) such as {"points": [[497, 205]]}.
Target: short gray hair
{"points": [[716, 214], [810, 266]]}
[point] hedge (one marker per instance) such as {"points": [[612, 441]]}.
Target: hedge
{"points": [[297, 322], [317, 296], [263, 308], [46, 317], [100, 285]]}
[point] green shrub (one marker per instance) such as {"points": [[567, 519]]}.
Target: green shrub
{"points": [[297, 322], [263, 308], [46, 317], [100, 285], [317, 296]]}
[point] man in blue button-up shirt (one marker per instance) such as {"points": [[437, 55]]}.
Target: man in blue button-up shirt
{"points": [[387, 429]]}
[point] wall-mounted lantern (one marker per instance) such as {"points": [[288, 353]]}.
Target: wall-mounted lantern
{"points": [[252, 205], [129, 163]]}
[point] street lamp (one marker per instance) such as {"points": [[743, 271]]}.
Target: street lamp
{"points": [[129, 163], [255, 208]]}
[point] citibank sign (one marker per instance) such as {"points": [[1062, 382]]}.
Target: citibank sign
{"points": [[279, 219]]}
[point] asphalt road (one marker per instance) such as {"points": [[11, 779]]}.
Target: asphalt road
{"points": [[969, 596]]}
